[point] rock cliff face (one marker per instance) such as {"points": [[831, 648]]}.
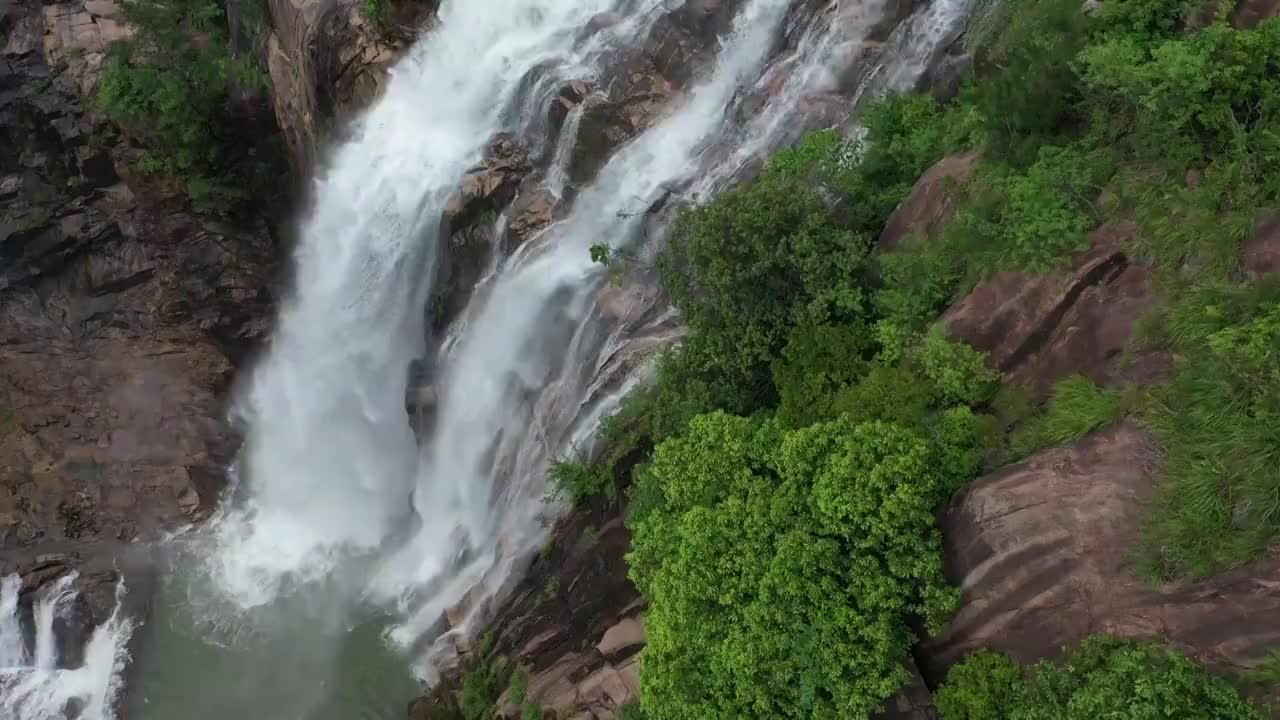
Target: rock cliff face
{"points": [[122, 314], [329, 59]]}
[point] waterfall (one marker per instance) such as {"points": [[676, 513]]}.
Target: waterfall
{"points": [[34, 682], [329, 460], [345, 529]]}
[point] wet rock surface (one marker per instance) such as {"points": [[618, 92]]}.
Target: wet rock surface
{"points": [[327, 60], [574, 622], [1039, 551]]}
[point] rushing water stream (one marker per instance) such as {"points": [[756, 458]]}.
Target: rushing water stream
{"points": [[320, 590]]}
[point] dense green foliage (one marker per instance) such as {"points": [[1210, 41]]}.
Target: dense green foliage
{"points": [[807, 429], [747, 530], [1103, 678], [171, 85]]}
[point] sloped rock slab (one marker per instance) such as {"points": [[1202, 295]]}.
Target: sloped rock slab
{"points": [[1039, 328], [1039, 551]]}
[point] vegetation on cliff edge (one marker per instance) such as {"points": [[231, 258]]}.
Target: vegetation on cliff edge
{"points": [[813, 420]]}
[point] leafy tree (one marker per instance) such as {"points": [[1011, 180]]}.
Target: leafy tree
{"points": [[1102, 678], [782, 567], [748, 267], [1026, 90], [170, 84]]}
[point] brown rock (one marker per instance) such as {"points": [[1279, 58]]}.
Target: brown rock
{"points": [[490, 185], [1039, 552], [327, 61], [1039, 328], [121, 315], [913, 702], [531, 212], [1248, 13], [1262, 251], [930, 203]]}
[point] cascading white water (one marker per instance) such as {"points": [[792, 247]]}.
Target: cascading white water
{"points": [[35, 685], [510, 389], [330, 459], [341, 508]]}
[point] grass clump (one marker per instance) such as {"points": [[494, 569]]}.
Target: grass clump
{"points": [[1076, 407], [480, 688], [1217, 421]]}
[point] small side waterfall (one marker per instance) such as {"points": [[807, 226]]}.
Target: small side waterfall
{"points": [[35, 684]]}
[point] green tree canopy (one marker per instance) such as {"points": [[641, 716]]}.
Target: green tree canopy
{"points": [[781, 567]]}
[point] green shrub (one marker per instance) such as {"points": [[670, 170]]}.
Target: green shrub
{"points": [[1027, 91], [170, 85], [917, 280], [745, 269], [1049, 207], [1266, 673], [519, 686], [1103, 678], [479, 689], [531, 711], [781, 568], [817, 363], [897, 394], [1076, 407], [1188, 98], [959, 371], [579, 481], [376, 11], [986, 686], [1217, 423]]}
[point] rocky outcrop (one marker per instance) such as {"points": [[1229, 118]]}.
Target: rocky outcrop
{"points": [[931, 202], [76, 36], [574, 623], [1039, 551], [329, 59], [121, 316], [1039, 328]]}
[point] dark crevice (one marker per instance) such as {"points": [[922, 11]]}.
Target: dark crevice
{"points": [[1103, 273]]}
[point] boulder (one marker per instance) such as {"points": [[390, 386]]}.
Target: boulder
{"points": [[1039, 552], [1262, 250], [1039, 328], [490, 185], [930, 203], [532, 210]]}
